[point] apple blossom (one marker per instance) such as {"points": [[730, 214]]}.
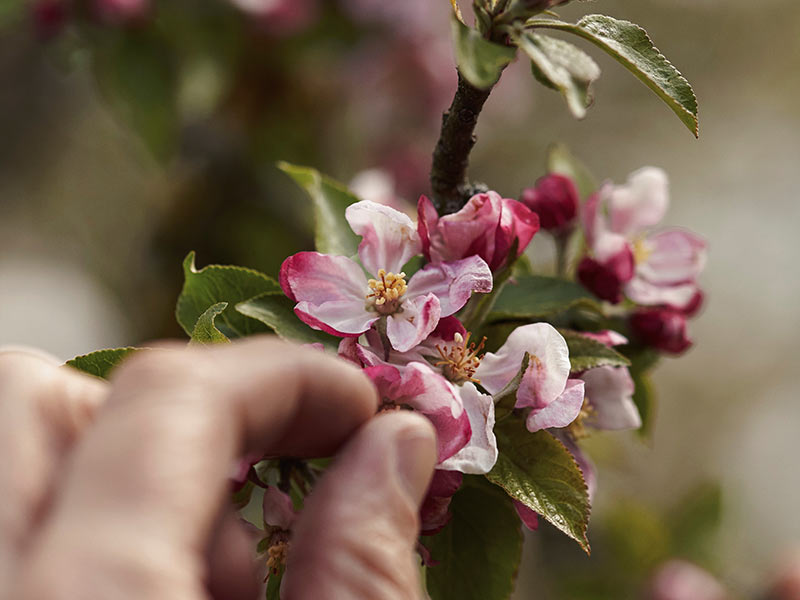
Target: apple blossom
{"points": [[487, 226], [555, 400], [417, 387], [554, 199], [334, 295], [651, 268]]}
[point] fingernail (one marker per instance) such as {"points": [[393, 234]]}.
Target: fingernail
{"points": [[416, 457]]}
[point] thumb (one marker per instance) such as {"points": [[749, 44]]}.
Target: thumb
{"points": [[358, 531]]}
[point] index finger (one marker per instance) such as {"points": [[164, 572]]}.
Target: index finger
{"points": [[149, 479]]}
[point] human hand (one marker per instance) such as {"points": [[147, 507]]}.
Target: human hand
{"points": [[119, 490]]}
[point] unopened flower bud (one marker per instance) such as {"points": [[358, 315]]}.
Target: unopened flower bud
{"points": [[662, 328], [49, 17], [605, 280], [555, 200]]}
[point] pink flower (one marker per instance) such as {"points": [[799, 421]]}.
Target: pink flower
{"points": [[555, 400], [652, 268], [334, 295], [487, 226], [555, 199], [417, 387], [609, 392], [454, 359], [662, 328]]}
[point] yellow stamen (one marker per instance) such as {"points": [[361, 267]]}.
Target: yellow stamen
{"points": [[277, 554], [461, 359], [641, 251], [578, 427], [385, 293]]}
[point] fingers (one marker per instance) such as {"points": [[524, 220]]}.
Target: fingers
{"points": [[148, 480], [43, 409], [358, 530]]}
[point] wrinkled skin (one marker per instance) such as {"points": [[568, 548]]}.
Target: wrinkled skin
{"points": [[119, 490]]}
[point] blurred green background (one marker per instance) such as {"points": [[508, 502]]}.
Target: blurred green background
{"points": [[127, 144]]}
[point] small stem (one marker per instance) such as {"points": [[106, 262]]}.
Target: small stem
{"points": [[451, 156], [562, 251]]}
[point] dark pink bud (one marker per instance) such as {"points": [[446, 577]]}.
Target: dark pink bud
{"points": [[554, 199], [49, 17], [661, 328], [434, 513], [605, 280]]}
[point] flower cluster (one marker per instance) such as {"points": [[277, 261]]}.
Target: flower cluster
{"points": [[654, 270], [404, 330]]}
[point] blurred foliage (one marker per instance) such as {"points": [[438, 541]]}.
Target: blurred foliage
{"points": [[630, 541]]}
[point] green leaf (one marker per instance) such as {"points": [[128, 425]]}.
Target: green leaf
{"points": [[538, 296], [276, 311], [644, 397], [205, 331], [561, 66], [586, 353], [479, 549], [274, 584], [561, 160], [630, 45], [506, 399], [135, 73], [218, 283], [101, 362], [332, 233], [479, 61], [537, 470]]}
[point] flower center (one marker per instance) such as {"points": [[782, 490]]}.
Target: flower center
{"points": [[386, 291], [460, 359], [577, 428], [641, 252]]}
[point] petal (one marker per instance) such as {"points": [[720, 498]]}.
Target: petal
{"points": [[319, 278], [645, 293], [427, 218], [560, 412], [639, 204], [610, 393], [406, 329], [517, 222], [431, 394], [480, 453], [277, 508], [342, 318], [390, 237], [674, 256], [608, 337], [452, 282], [547, 373], [470, 231], [529, 517]]}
